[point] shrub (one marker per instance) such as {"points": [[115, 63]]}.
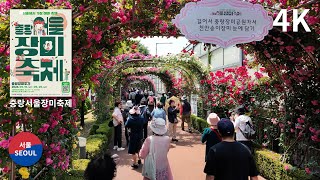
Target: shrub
{"points": [[199, 123], [94, 128], [270, 167], [96, 144], [79, 166]]}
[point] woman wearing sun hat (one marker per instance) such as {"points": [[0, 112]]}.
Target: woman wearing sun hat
{"points": [[161, 145], [135, 124], [211, 135]]}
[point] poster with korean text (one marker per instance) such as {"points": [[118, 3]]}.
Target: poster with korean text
{"points": [[40, 53]]}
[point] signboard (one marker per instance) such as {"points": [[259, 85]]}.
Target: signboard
{"points": [[25, 149], [40, 53], [194, 104], [223, 22]]}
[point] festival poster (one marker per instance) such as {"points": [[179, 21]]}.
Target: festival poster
{"points": [[40, 53]]}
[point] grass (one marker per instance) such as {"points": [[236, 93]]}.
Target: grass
{"points": [[89, 121]]}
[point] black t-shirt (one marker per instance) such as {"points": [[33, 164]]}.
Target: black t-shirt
{"points": [[230, 161]]}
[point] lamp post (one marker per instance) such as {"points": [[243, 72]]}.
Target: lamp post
{"points": [[157, 86]]}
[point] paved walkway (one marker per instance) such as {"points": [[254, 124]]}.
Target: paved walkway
{"points": [[186, 159]]}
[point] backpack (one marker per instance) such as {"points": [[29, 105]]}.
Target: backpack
{"points": [[249, 131], [186, 107], [144, 114]]}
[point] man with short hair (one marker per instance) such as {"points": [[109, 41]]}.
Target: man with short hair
{"points": [[185, 113], [229, 160]]}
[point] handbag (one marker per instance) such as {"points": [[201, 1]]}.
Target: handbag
{"points": [[149, 166], [110, 124]]}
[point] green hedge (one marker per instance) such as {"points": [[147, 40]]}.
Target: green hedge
{"points": [[272, 168], [93, 129], [199, 123], [96, 144]]}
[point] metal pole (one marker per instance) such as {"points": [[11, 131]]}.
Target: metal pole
{"points": [[13, 166]]}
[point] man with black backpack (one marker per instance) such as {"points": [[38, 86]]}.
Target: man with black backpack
{"points": [[244, 127], [186, 113], [145, 114]]}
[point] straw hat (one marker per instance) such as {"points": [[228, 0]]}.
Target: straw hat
{"points": [[134, 110], [158, 126], [213, 119]]}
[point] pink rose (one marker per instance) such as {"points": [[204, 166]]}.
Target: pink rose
{"points": [[309, 49], [6, 169], [307, 170], [4, 144], [315, 102], [49, 161], [300, 120], [81, 8], [287, 167], [7, 68]]}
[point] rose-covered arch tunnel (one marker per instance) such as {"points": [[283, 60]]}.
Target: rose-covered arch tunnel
{"points": [[181, 74]]}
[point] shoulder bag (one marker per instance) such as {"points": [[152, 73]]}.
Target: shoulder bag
{"points": [[149, 166]]}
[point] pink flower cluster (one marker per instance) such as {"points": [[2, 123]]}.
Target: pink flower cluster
{"points": [[315, 134], [96, 34]]}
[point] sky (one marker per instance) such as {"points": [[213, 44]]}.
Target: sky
{"points": [[176, 46]]}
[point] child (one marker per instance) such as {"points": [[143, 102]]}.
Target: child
{"points": [[211, 135]]}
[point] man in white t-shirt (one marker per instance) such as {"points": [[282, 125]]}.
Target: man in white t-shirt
{"points": [[117, 122], [240, 123]]}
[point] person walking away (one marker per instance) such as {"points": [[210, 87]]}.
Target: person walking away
{"points": [[102, 167], [229, 160], [173, 120], [145, 115], [133, 96], [159, 145], [135, 125], [186, 113], [151, 102], [163, 99], [138, 98], [125, 115], [159, 113], [117, 123], [211, 135], [240, 123]]}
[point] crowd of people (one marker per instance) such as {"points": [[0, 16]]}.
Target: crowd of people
{"points": [[228, 153]]}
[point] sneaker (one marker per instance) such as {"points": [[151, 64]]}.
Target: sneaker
{"points": [[190, 131], [115, 147], [139, 161], [121, 149], [176, 140], [182, 129], [135, 166]]}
